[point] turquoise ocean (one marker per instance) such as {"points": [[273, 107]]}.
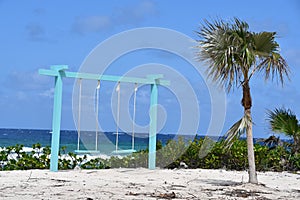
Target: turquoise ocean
{"points": [[69, 139]]}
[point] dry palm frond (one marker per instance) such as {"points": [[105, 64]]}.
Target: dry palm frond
{"points": [[236, 130]]}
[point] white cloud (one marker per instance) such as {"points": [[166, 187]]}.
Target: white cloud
{"points": [[280, 27], [35, 32], [135, 14], [22, 80], [39, 11], [121, 16], [20, 95], [292, 56], [47, 93], [88, 24]]}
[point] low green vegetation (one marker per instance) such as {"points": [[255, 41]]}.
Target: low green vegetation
{"points": [[278, 157]]}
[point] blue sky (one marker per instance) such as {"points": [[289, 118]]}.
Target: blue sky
{"points": [[37, 34]]}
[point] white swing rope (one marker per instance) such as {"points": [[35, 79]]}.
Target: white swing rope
{"points": [[118, 90], [97, 113], [79, 113], [134, 111]]}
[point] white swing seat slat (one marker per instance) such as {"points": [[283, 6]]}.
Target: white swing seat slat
{"points": [[87, 151], [124, 151]]}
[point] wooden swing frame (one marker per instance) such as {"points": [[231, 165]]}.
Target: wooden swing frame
{"points": [[59, 72]]}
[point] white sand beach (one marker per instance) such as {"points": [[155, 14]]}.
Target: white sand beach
{"points": [[146, 184]]}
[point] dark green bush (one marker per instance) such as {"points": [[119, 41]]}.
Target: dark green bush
{"points": [[277, 158], [96, 163]]}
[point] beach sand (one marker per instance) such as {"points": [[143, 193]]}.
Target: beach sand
{"points": [[146, 184]]}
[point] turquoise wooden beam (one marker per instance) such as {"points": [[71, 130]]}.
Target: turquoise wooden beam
{"points": [[149, 80], [58, 86]]}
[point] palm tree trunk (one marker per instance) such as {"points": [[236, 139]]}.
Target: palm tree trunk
{"points": [[250, 148], [247, 104]]}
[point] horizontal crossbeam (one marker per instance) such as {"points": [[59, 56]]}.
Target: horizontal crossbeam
{"points": [[150, 79]]}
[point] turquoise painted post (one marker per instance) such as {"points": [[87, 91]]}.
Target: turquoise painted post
{"points": [[153, 127], [56, 116]]}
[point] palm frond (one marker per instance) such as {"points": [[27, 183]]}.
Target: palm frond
{"points": [[227, 50], [233, 53], [271, 62], [275, 65], [265, 43], [283, 121], [236, 130], [271, 141]]}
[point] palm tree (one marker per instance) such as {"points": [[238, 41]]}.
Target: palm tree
{"points": [[233, 55], [285, 121]]}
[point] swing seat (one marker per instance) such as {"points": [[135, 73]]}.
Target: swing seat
{"points": [[87, 152], [124, 151]]}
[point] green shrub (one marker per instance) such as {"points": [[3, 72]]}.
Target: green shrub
{"points": [[199, 153], [96, 163]]}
